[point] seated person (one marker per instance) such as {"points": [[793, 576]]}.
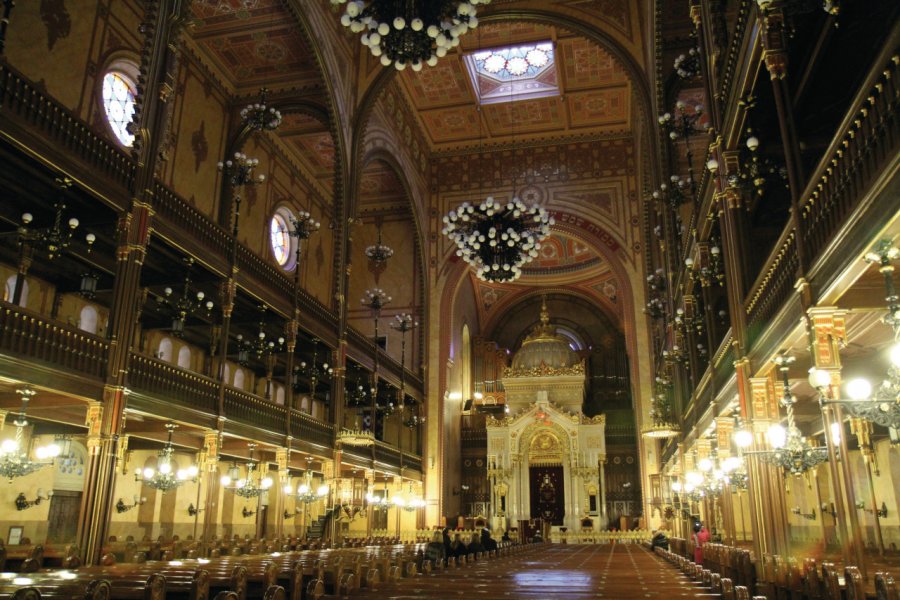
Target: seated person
{"points": [[434, 551], [660, 541], [457, 547], [487, 542], [538, 538], [475, 545], [505, 537]]}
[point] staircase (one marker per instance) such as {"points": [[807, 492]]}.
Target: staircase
{"points": [[319, 527]]}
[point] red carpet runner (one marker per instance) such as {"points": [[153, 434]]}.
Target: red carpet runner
{"points": [[559, 572]]}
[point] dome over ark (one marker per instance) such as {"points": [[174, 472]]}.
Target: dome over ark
{"points": [[544, 350]]}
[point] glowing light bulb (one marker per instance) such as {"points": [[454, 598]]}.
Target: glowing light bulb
{"points": [[776, 436], [859, 389]]}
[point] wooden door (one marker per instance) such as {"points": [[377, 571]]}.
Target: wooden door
{"points": [[62, 522]]}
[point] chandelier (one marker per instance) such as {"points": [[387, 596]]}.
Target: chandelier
{"points": [[355, 437], [408, 32], [381, 502], [306, 493], [260, 117], [409, 504], [313, 370], [57, 237], [662, 423], [790, 450], [184, 305], [303, 225], [496, 238], [240, 170], [250, 486], [260, 345], [379, 253], [167, 476], [14, 459]]}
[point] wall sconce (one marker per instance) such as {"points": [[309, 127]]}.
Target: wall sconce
{"points": [[247, 513], [193, 510], [22, 503], [291, 515], [828, 509], [122, 507], [881, 513], [810, 515]]}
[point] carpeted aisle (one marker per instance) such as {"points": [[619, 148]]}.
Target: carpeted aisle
{"points": [[555, 572]]}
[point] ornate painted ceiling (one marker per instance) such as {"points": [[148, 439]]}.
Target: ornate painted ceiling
{"points": [[594, 94]]}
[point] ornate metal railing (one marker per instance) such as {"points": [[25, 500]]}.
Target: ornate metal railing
{"points": [[22, 100], [866, 141], [774, 285], [155, 377], [27, 334]]}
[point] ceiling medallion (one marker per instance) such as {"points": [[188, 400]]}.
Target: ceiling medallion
{"points": [[410, 33], [498, 238]]}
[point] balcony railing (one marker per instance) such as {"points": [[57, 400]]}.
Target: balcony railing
{"points": [[866, 141], [21, 99], [158, 378], [29, 335], [307, 429], [252, 410], [774, 285]]}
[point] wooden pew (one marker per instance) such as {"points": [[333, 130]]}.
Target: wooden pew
{"points": [[885, 588], [854, 584], [56, 588]]}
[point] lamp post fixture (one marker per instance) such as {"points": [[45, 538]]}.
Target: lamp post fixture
{"points": [[379, 253], [258, 116], [260, 345], [189, 302], [375, 300]]}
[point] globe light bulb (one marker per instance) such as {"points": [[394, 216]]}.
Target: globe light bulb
{"points": [[225, 480], [149, 473], [322, 491], [677, 487], [165, 468], [895, 355], [859, 389], [705, 465], [776, 436], [743, 438], [266, 483], [819, 378], [836, 430]]}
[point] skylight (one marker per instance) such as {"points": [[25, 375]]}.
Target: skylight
{"points": [[513, 72]]}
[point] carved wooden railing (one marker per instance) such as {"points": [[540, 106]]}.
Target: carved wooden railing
{"points": [[172, 208], [306, 428], [249, 409], [867, 139], [388, 455], [21, 99], [158, 378], [723, 363], [412, 461], [774, 285], [27, 334]]}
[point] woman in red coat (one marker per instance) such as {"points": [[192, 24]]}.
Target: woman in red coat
{"points": [[701, 537]]}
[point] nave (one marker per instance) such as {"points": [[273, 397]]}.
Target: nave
{"points": [[558, 572]]}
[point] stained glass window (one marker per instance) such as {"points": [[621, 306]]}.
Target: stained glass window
{"points": [[118, 102], [281, 239], [513, 73]]}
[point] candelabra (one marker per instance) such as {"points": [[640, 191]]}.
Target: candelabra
{"points": [[260, 117], [682, 125], [58, 236], [313, 370], [675, 193], [709, 268], [687, 66], [260, 345], [186, 304], [379, 253], [752, 173]]}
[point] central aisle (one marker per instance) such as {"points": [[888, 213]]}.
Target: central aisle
{"points": [[565, 572]]}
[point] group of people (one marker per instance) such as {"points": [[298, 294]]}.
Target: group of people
{"points": [[442, 547]]}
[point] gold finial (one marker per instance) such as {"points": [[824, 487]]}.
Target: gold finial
{"points": [[545, 314]]}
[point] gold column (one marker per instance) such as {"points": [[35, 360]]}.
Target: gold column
{"points": [[724, 431], [281, 459], [826, 331], [211, 445]]}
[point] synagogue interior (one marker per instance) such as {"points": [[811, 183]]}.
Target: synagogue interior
{"points": [[401, 298]]}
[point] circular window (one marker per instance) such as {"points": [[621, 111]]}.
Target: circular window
{"points": [[283, 244], [118, 103]]}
